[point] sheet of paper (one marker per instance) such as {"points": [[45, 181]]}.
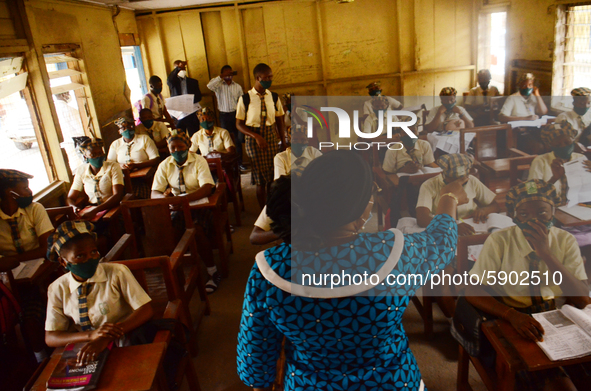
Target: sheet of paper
{"points": [[579, 182], [422, 171], [494, 222], [182, 104], [531, 124], [200, 201], [580, 212], [28, 269], [449, 142], [408, 225]]}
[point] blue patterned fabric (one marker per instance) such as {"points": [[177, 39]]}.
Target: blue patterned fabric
{"points": [[351, 343]]}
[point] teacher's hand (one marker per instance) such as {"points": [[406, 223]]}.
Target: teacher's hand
{"points": [[456, 188]]}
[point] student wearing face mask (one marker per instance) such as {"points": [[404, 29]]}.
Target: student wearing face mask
{"points": [[375, 91], [154, 101], [186, 174], [478, 99], [98, 183], [533, 245], [448, 115], [524, 105], [259, 115], [157, 131], [481, 200], [580, 116], [210, 138], [180, 83]]}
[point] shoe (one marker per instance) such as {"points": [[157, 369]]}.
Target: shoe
{"points": [[243, 168], [213, 283]]}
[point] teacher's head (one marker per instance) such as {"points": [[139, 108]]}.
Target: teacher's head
{"points": [[332, 196]]}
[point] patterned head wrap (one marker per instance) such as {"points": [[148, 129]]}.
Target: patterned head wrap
{"points": [[448, 91], [373, 85], [65, 232], [176, 134], [455, 165], [90, 143], [581, 91], [525, 77], [206, 111], [121, 121], [8, 175], [532, 190], [555, 130], [287, 96]]}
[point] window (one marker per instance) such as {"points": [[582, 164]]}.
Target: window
{"points": [[134, 71], [20, 145], [491, 46]]}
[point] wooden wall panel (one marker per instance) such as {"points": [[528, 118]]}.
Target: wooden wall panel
{"points": [[232, 43], [256, 41], [7, 30], [215, 44], [154, 63]]}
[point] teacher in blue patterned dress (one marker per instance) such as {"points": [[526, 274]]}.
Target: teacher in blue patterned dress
{"points": [[346, 336]]}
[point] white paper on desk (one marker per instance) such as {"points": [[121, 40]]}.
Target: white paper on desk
{"points": [[579, 182], [580, 212], [27, 269], [495, 221], [182, 104], [200, 201], [449, 143], [422, 171], [531, 124], [564, 337]]}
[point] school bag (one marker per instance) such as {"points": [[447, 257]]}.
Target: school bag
{"points": [[10, 312], [246, 100]]}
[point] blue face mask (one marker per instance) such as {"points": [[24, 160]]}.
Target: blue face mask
{"points": [[96, 162], [449, 106], [580, 110], [206, 124], [375, 92], [298, 149], [526, 91], [148, 123], [408, 141], [266, 84], [564, 152], [84, 270], [527, 224], [180, 156], [128, 134]]}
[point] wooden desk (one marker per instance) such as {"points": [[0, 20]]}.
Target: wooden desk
{"points": [[568, 220], [515, 353], [142, 172], [137, 368]]}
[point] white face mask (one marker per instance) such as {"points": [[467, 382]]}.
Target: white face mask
{"points": [[182, 74]]}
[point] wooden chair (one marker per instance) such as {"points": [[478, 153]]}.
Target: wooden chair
{"points": [[496, 104], [231, 171], [518, 165], [60, 215], [488, 143], [218, 204], [159, 239]]}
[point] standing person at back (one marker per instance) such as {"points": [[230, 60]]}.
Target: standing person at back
{"points": [[180, 83], [256, 114], [478, 99], [227, 93], [154, 101]]}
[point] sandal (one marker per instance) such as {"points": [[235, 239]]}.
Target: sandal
{"points": [[213, 283]]}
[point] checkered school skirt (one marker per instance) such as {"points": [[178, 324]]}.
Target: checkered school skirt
{"points": [[262, 161], [142, 188]]}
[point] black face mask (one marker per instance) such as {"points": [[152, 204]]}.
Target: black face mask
{"points": [[484, 86]]}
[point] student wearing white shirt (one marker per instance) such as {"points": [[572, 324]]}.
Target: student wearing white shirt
{"points": [[448, 116], [210, 138], [227, 93], [157, 131], [477, 101], [375, 91], [580, 116], [154, 101]]}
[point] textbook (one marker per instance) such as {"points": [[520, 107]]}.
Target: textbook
{"points": [[422, 171], [67, 375], [567, 332], [494, 222]]}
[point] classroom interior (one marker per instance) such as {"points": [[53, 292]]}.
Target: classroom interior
{"points": [[103, 53]]}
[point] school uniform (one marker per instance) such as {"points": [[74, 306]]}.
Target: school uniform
{"points": [[262, 160], [113, 295], [140, 149], [98, 187], [393, 104], [422, 154], [578, 122], [516, 105], [541, 169], [195, 173], [286, 162], [154, 103], [30, 223], [446, 117], [478, 195], [157, 132], [220, 140], [479, 97]]}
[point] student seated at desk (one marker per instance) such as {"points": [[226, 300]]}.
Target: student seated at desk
{"points": [[482, 201], [157, 131], [98, 183], [580, 116], [375, 91], [210, 138], [448, 116], [134, 151], [187, 174], [477, 102], [534, 245], [95, 303]]}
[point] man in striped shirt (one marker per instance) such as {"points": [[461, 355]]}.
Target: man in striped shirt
{"points": [[227, 93]]}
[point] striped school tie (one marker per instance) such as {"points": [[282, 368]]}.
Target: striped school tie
{"points": [[563, 190], [182, 186], [414, 157], [128, 157], [263, 114], [97, 191], [83, 306], [16, 236], [296, 168], [535, 291], [210, 141]]}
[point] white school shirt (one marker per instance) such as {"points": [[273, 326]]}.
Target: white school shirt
{"points": [[578, 122], [227, 95], [220, 141], [446, 116], [393, 104], [154, 103], [142, 149], [196, 174], [518, 106], [541, 168], [395, 160], [285, 161], [108, 176], [253, 117], [476, 95], [478, 195], [157, 132], [113, 296], [33, 222]]}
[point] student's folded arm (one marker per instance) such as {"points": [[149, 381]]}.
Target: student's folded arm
{"points": [[481, 299], [424, 216], [114, 200], [203, 191], [75, 198], [39, 252], [147, 163], [56, 339], [259, 236]]}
